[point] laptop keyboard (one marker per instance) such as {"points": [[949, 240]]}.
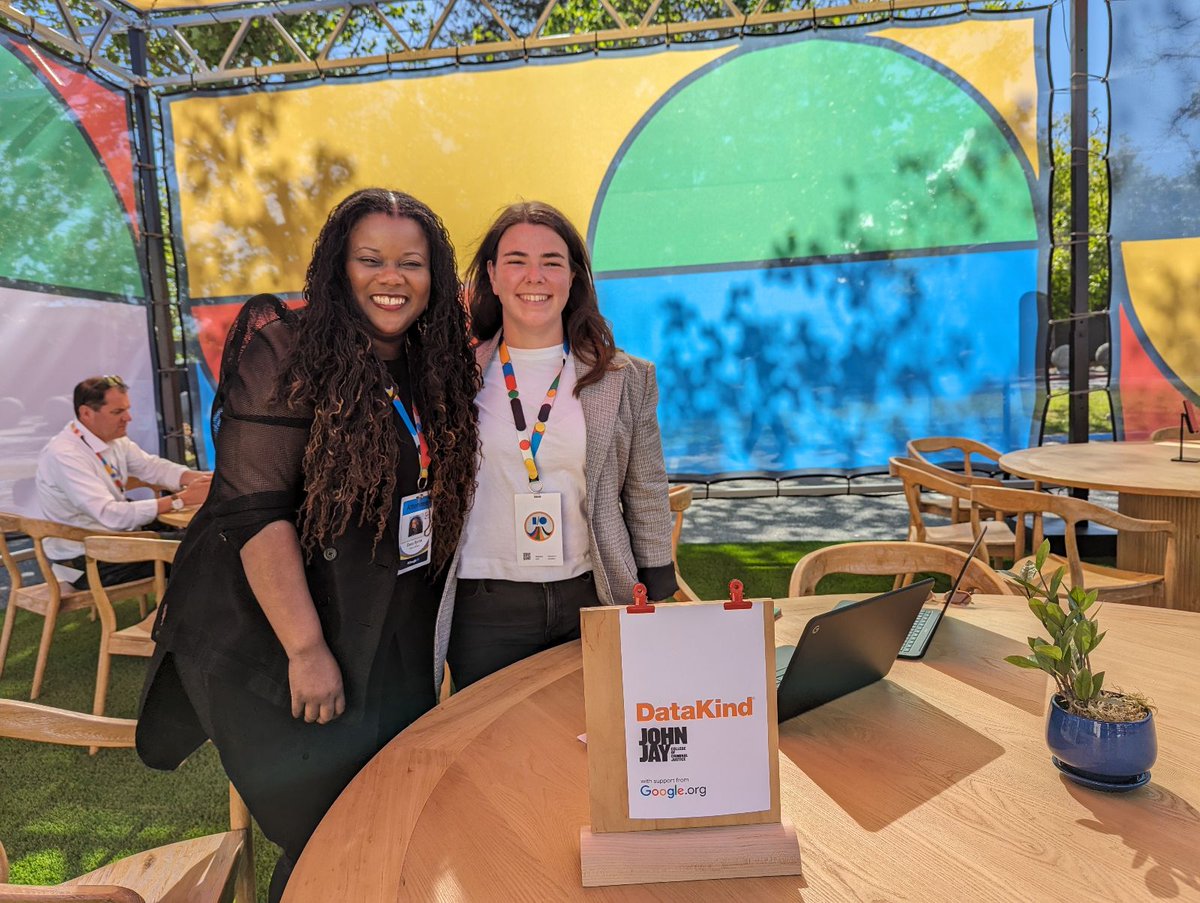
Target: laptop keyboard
{"points": [[918, 635]]}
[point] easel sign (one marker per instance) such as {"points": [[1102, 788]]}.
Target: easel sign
{"points": [[683, 743]]}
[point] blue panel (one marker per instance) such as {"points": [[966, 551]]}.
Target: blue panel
{"points": [[834, 366]]}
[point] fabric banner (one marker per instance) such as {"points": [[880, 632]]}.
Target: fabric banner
{"points": [[828, 242], [72, 294], [1155, 161]]}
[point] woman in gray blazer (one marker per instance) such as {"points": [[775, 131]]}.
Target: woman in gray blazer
{"points": [[571, 506]]}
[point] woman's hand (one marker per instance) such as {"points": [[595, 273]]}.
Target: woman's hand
{"points": [[316, 684]]}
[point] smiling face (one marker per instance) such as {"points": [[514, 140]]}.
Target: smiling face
{"points": [[387, 265], [532, 277], [111, 420]]}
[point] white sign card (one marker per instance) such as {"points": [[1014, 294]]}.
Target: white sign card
{"points": [[694, 684]]}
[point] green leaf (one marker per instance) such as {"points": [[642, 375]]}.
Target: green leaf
{"points": [[1096, 641], [1056, 581], [1043, 553], [1083, 684], [1049, 651], [1097, 682], [1021, 661]]}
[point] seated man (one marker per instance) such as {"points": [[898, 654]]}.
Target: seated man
{"points": [[82, 474]]}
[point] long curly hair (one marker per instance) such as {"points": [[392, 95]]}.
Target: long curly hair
{"points": [[588, 331], [353, 450]]}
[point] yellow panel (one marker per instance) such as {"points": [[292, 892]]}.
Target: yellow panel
{"points": [[259, 172], [1164, 285], [996, 57]]}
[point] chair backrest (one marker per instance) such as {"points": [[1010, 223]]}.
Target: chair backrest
{"points": [[11, 523], [125, 550], [889, 558], [921, 448], [917, 477], [1171, 433], [1072, 510]]}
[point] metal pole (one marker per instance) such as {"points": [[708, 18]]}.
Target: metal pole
{"points": [[1079, 357], [167, 387]]}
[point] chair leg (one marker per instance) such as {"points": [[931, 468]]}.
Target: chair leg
{"points": [[244, 888], [103, 669], [39, 669], [6, 635], [143, 601]]}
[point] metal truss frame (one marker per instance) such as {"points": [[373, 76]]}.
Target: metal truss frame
{"points": [[102, 42]]}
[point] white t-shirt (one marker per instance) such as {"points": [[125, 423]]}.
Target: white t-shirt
{"points": [[489, 544]]}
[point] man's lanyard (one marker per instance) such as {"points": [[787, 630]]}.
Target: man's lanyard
{"points": [[413, 425], [529, 447], [108, 468]]}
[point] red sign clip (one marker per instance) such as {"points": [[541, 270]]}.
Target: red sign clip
{"points": [[735, 596], [640, 606]]}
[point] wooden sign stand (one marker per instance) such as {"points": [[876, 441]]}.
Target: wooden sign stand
{"points": [[617, 849]]}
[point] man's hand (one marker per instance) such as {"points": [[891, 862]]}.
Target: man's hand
{"points": [[316, 684], [195, 492]]}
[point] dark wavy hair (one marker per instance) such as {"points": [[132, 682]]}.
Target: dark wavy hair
{"points": [[353, 451], [588, 331]]}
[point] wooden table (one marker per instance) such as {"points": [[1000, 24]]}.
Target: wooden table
{"points": [[1150, 486], [934, 784], [180, 518]]}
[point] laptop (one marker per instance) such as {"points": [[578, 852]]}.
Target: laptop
{"points": [[845, 649], [920, 635]]}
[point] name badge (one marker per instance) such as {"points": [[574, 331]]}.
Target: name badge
{"points": [[416, 532], [539, 528]]}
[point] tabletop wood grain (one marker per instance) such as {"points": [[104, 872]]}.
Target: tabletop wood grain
{"points": [[933, 784]]}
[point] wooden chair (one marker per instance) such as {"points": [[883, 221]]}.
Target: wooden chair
{"points": [[212, 868], [999, 542], [1171, 434], [52, 598], [680, 498], [893, 558], [133, 640], [936, 503], [1113, 585]]}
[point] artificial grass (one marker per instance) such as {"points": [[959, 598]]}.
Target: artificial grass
{"points": [[764, 569], [63, 812]]}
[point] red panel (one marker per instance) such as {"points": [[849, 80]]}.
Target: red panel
{"points": [[1148, 399], [102, 114], [212, 327]]}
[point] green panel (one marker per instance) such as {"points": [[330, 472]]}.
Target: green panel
{"points": [[811, 148], [60, 220]]}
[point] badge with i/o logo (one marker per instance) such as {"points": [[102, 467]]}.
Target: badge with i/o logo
{"points": [[539, 528]]}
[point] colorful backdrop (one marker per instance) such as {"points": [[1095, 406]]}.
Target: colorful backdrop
{"points": [[828, 242], [1155, 160], [72, 297]]}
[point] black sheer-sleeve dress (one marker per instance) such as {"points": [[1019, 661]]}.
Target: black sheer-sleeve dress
{"points": [[220, 673]]}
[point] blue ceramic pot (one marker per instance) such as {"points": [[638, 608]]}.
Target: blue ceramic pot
{"points": [[1113, 752]]}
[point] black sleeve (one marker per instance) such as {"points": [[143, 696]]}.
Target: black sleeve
{"points": [[260, 441]]}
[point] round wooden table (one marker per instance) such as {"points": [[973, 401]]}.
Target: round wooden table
{"points": [[933, 784], [1149, 485]]}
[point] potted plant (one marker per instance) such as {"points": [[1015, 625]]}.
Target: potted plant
{"points": [[1101, 738]]}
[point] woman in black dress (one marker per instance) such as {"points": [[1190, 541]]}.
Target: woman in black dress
{"points": [[298, 628]]}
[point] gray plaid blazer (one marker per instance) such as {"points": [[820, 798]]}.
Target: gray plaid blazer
{"points": [[629, 516]]}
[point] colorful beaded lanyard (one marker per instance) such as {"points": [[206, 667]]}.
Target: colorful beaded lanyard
{"points": [[418, 435], [108, 468], [529, 447]]}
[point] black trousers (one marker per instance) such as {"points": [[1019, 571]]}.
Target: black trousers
{"points": [[290, 772], [499, 622]]}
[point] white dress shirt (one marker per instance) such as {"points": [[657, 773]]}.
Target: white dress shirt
{"points": [[74, 487]]}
